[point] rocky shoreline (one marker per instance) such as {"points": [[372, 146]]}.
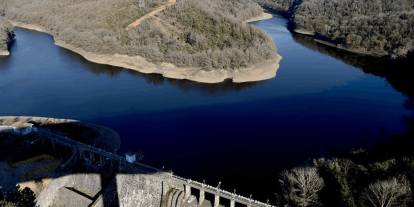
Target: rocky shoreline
{"points": [[257, 72], [359, 52], [337, 46], [4, 53], [263, 16]]}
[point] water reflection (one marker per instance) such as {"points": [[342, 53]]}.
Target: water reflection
{"points": [[185, 85], [398, 73], [157, 79], [4, 61]]}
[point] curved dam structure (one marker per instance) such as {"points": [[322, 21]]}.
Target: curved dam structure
{"points": [[98, 178]]}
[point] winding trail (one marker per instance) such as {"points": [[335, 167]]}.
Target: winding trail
{"points": [[159, 9]]}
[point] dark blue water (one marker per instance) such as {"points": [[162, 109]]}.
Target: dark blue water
{"points": [[241, 134]]}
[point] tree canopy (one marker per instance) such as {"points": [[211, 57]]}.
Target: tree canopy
{"points": [[197, 33], [375, 27]]}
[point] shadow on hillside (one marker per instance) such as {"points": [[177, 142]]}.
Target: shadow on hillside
{"points": [[77, 174], [31, 160]]}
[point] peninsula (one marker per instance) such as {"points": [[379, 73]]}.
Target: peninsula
{"points": [[198, 40]]}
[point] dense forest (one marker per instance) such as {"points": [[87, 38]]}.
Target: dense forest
{"points": [[282, 6], [208, 34], [375, 27], [6, 34]]}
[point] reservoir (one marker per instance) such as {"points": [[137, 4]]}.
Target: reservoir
{"points": [[322, 103]]}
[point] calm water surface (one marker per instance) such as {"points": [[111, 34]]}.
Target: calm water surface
{"points": [[242, 135]]}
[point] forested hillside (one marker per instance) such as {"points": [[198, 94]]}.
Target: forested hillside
{"points": [[238, 10], [281, 6], [376, 27], [208, 34], [6, 34]]}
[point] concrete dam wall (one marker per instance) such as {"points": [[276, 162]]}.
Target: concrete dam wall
{"points": [[124, 190]]}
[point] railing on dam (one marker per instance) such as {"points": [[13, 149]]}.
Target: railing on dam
{"points": [[82, 148], [202, 187], [108, 156]]}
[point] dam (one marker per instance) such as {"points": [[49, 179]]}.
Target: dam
{"points": [[137, 184]]}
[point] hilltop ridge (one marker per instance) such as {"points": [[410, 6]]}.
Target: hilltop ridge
{"points": [[204, 41]]}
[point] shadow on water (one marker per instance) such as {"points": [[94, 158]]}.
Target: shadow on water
{"points": [[4, 61], [397, 73], [98, 69], [157, 79], [184, 85]]}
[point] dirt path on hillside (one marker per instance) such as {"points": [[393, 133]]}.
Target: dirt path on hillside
{"points": [[137, 22]]}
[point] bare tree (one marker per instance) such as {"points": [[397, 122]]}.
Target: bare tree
{"points": [[301, 186], [388, 193]]}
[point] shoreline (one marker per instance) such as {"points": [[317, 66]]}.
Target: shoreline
{"points": [[263, 16], [256, 72], [304, 32], [4, 53], [329, 44], [333, 45], [104, 137]]}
